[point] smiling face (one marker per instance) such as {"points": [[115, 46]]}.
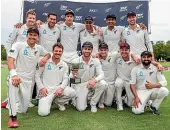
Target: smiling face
{"points": [[131, 20], [69, 18], [86, 51], [57, 52], [111, 22], [124, 52], [32, 38], [146, 60], [52, 19], [88, 24], [103, 52], [30, 20]]}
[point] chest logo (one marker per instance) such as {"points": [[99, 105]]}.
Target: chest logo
{"points": [[25, 52], [44, 31], [24, 32], [128, 33], [64, 28], [150, 73], [120, 62], [141, 73], [49, 67], [81, 66], [60, 67], [105, 32], [115, 31], [91, 65]]}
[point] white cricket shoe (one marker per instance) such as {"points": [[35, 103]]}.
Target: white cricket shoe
{"points": [[93, 108], [31, 105], [61, 107], [119, 108]]}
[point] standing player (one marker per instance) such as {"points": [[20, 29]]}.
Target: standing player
{"points": [[52, 81], [22, 62], [90, 34], [147, 84], [19, 35], [70, 36], [137, 38], [91, 75]]}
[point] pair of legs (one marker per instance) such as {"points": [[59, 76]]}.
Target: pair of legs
{"points": [[82, 91], [121, 84], [44, 105], [156, 95]]}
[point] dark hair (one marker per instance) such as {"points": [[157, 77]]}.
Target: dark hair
{"points": [[30, 12], [52, 13], [59, 45]]}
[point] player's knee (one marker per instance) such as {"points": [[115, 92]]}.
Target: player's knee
{"points": [[81, 108], [43, 112], [108, 103], [118, 83], [163, 92], [137, 111], [103, 85], [72, 94]]}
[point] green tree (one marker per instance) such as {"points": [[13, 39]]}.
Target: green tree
{"points": [[3, 53]]}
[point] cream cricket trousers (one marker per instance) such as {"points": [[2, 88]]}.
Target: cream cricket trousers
{"points": [[155, 94], [120, 84], [21, 93], [82, 92], [44, 105]]}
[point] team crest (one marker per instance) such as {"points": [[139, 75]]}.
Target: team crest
{"points": [[115, 31], [91, 65], [24, 32], [150, 73], [35, 52], [25, 52], [44, 31], [60, 67], [141, 73], [81, 66], [128, 33], [54, 32], [49, 67], [64, 28], [120, 62]]}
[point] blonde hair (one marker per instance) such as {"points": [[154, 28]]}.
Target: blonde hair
{"points": [[31, 11]]}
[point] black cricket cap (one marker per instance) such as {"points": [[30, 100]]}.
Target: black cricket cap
{"points": [[103, 45], [33, 30], [87, 44], [69, 11], [111, 16], [146, 53], [131, 14], [88, 18]]}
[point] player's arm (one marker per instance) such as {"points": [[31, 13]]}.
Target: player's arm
{"points": [[12, 55], [41, 88], [11, 39], [158, 65], [133, 88], [46, 55], [135, 58]]}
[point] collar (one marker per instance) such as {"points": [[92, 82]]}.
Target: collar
{"points": [[90, 61], [137, 27], [72, 26], [27, 46]]}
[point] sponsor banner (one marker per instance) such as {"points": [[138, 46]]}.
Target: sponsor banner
{"points": [[99, 11]]}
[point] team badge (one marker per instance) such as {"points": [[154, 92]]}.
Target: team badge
{"points": [[35, 52], [105, 32], [64, 28], [49, 67], [10, 34], [85, 34], [81, 66], [54, 32], [60, 67], [25, 52], [120, 62], [91, 65], [115, 31], [150, 73], [140, 73], [128, 33], [44, 31], [24, 32]]}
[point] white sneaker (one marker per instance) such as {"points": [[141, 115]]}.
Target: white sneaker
{"points": [[101, 106], [119, 108], [61, 107], [93, 108], [31, 105]]}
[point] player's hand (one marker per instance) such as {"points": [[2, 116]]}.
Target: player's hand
{"points": [[91, 83], [149, 85], [16, 80], [160, 67], [99, 32], [136, 102], [136, 59], [18, 25], [43, 61], [142, 26], [43, 92], [59, 92]]}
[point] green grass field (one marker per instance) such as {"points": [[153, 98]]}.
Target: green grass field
{"points": [[108, 119]]}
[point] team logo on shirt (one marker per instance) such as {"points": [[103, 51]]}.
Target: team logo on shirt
{"points": [[12, 51], [120, 62], [141, 73], [115, 31], [109, 59], [91, 65], [73, 28], [49, 67], [37, 67], [81, 66], [54, 32], [137, 31], [150, 73], [35, 53], [64, 28], [44, 31], [24, 32], [10, 34], [85, 34], [60, 67], [25, 52], [105, 32], [128, 33]]}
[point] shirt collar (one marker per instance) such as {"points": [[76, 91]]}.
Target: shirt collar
{"points": [[72, 26], [137, 27], [90, 61], [27, 46]]}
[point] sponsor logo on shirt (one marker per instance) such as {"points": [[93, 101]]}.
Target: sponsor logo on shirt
{"points": [[24, 32], [141, 73], [138, 6], [49, 67], [46, 5], [25, 52], [124, 8], [78, 9], [107, 10], [63, 7], [93, 10]]}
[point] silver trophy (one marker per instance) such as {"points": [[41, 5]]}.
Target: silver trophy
{"points": [[75, 68]]}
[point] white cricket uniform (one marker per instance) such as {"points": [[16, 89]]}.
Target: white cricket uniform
{"points": [[48, 37], [86, 72], [112, 37], [26, 59], [122, 81], [138, 40], [139, 76], [17, 35], [109, 68], [69, 39], [52, 77], [94, 38]]}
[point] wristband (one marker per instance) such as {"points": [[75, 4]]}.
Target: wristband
{"points": [[13, 72]]}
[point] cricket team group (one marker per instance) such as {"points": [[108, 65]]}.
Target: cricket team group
{"points": [[113, 59]]}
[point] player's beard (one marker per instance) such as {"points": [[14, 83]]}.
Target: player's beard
{"points": [[146, 62]]}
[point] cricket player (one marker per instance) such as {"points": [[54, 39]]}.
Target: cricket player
{"points": [[70, 32], [22, 61], [147, 84], [112, 34], [49, 32], [90, 34], [137, 38], [90, 74], [52, 81], [19, 35], [125, 63]]}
